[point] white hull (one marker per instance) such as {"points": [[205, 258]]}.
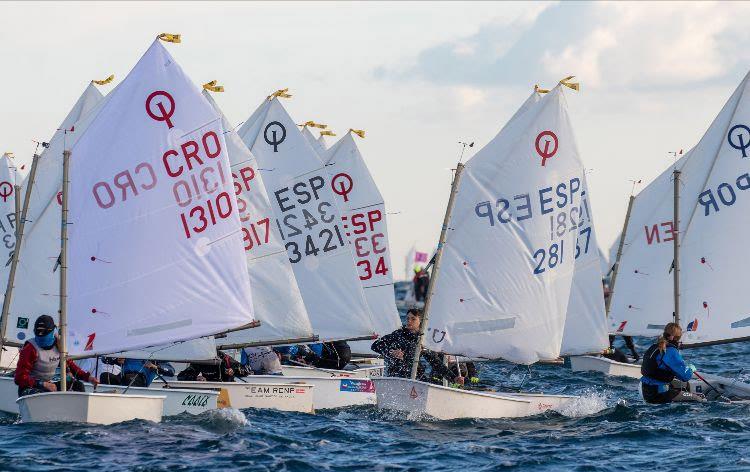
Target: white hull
{"points": [[447, 403], [330, 392], [94, 408], [176, 401], [276, 395], [8, 395], [361, 373], [607, 366]]}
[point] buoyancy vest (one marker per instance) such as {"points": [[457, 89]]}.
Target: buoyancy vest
{"points": [[47, 362], [654, 368]]}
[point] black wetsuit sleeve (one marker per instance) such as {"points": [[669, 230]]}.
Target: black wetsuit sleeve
{"points": [[189, 374], [165, 369], [384, 344], [438, 368]]}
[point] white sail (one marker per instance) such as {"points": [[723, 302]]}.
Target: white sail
{"points": [[585, 323], [155, 242], [314, 143], [200, 349], [309, 222], [364, 220], [276, 297], [7, 214], [642, 302], [322, 142], [713, 257], [37, 282], [509, 258]]}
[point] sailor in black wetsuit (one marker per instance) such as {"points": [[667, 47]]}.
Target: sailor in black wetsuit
{"points": [[398, 350]]}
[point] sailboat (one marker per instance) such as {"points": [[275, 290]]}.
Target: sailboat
{"points": [[680, 255], [155, 254], [364, 220], [507, 263], [33, 279], [276, 297], [309, 220]]}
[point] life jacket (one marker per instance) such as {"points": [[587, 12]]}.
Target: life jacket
{"points": [[654, 368], [47, 362]]}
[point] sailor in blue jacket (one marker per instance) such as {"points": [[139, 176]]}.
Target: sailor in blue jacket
{"points": [[662, 363]]}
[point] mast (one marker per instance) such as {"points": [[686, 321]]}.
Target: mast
{"points": [[616, 267], [676, 245], [20, 223], [64, 274], [436, 269]]}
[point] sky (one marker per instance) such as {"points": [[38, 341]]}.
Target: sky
{"points": [[417, 77]]}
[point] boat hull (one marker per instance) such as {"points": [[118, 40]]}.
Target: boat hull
{"points": [[446, 403], [727, 387], [361, 373], [604, 365], [176, 401], [8, 395], [330, 392], [276, 395], [93, 408]]}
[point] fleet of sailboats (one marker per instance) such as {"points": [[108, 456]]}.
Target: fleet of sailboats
{"points": [[151, 228]]}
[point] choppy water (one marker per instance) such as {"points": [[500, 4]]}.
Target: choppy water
{"points": [[609, 429]]}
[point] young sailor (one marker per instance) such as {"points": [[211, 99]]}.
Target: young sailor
{"points": [[398, 350], [39, 359], [262, 360], [140, 372], [225, 370], [662, 363]]}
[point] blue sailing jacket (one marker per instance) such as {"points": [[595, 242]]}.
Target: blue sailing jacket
{"points": [[670, 359]]}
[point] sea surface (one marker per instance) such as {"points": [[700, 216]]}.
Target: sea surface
{"points": [[609, 429]]}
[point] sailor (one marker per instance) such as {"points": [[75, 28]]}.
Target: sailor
{"points": [[398, 350], [617, 355], [111, 370], [141, 372], [225, 370], [332, 355], [261, 360], [421, 283], [662, 364], [39, 359]]}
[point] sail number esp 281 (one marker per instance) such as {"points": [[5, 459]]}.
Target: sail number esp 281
{"points": [[556, 203]]}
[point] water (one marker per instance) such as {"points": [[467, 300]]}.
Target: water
{"points": [[609, 429]]}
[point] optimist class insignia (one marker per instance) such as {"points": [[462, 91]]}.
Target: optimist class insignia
{"points": [[546, 145]]}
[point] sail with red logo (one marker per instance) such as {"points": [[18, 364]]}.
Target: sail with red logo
{"points": [[364, 220], [155, 252], [309, 220], [514, 242]]}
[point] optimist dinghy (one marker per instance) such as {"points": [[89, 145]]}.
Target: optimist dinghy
{"points": [[144, 252], [512, 256], [682, 236]]}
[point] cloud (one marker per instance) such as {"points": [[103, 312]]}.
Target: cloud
{"points": [[608, 45]]}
